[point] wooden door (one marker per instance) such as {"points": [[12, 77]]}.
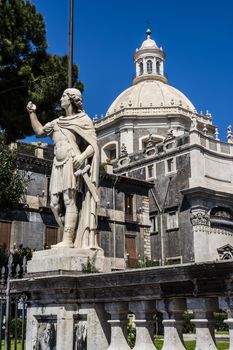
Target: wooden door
{"points": [[130, 248], [50, 236], [5, 234]]}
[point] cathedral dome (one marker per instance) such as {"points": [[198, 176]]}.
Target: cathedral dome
{"points": [[150, 93], [150, 88]]}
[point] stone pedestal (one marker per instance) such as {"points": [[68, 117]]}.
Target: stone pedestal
{"points": [[67, 259], [56, 317]]}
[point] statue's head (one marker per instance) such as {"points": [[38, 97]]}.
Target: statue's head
{"points": [[75, 97]]}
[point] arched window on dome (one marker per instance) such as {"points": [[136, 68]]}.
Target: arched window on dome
{"points": [[109, 151], [158, 67], [140, 68], [149, 66]]}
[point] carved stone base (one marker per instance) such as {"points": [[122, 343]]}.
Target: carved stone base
{"points": [[68, 259]]}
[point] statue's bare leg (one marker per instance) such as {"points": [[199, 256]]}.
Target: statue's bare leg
{"points": [[70, 219], [56, 209]]}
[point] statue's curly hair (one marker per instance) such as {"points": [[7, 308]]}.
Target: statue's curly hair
{"points": [[75, 97]]}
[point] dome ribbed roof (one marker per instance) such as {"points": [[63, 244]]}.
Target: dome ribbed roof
{"points": [[151, 93]]}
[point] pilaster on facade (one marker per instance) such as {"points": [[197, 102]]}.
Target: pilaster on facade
{"points": [[200, 220]]}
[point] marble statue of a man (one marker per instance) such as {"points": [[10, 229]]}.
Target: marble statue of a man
{"points": [[74, 177]]}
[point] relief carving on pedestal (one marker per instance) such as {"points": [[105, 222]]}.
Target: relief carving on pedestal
{"points": [[46, 335], [80, 333]]}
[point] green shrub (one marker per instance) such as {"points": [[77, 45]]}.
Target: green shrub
{"points": [[90, 267], [188, 326], [146, 263], [16, 323], [219, 318], [131, 338]]}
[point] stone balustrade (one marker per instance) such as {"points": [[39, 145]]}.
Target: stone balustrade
{"points": [[150, 111], [90, 311], [207, 142]]}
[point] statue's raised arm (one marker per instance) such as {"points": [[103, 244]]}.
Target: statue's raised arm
{"points": [[36, 125]]}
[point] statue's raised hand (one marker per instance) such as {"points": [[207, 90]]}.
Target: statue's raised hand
{"points": [[31, 107]]}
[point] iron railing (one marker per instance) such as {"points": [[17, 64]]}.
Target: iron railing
{"points": [[12, 306]]}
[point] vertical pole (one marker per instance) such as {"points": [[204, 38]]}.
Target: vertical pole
{"points": [[23, 324], [7, 323], [8, 303], [16, 320], [1, 324], [70, 58]]}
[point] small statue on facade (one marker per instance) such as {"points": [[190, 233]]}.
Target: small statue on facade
{"points": [[123, 150], [205, 130], [170, 135], [194, 123], [216, 134], [229, 134], [75, 171]]}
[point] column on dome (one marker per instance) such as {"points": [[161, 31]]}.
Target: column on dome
{"points": [[144, 65], [162, 67], [137, 69], [154, 65]]}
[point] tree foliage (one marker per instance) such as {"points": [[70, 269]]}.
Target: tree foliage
{"points": [[13, 182], [27, 71]]}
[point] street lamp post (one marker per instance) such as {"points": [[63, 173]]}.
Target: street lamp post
{"points": [[71, 29]]}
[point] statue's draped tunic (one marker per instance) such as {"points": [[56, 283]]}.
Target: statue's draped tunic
{"points": [[62, 176]]}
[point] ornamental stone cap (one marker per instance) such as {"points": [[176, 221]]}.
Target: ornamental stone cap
{"points": [[148, 43]]}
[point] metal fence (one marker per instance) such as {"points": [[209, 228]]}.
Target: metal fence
{"points": [[12, 306]]}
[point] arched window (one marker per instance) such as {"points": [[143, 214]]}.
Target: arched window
{"points": [[149, 66], [109, 151], [158, 67], [140, 68]]}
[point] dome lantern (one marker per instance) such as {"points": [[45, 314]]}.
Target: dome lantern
{"points": [[149, 61]]}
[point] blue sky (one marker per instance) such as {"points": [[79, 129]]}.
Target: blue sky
{"points": [[197, 37]]}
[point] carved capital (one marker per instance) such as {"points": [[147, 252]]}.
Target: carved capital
{"points": [[199, 216]]}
